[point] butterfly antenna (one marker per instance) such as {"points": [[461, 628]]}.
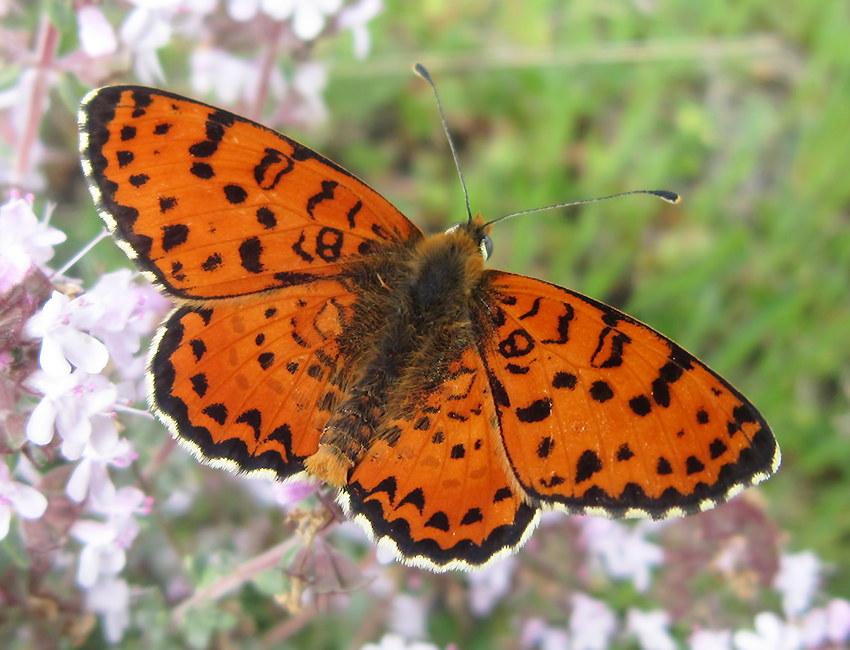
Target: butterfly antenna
{"points": [[664, 195], [422, 72]]}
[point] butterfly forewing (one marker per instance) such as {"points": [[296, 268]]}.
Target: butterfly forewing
{"points": [[212, 205], [601, 413]]}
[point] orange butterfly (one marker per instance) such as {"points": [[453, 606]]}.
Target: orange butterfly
{"points": [[319, 332]]}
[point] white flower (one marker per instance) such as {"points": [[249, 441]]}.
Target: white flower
{"points": [[105, 542], [26, 501], [73, 405], [797, 581], [308, 16], [650, 628], [59, 325], [772, 633], [408, 616], [830, 624], [129, 312], [90, 477], [395, 642], [838, 620], [23, 238], [592, 623], [355, 17], [711, 640], [97, 38], [310, 80], [145, 30], [230, 79], [622, 549], [25, 100], [487, 586], [555, 638], [110, 598]]}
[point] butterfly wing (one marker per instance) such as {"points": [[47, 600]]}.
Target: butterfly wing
{"points": [[243, 226], [435, 485], [249, 385], [212, 205], [603, 415]]}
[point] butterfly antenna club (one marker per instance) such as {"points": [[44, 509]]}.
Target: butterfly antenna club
{"points": [[422, 72]]}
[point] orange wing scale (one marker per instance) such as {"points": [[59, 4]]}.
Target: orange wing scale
{"points": [[211, 205], [436, 486], [600, 413]]}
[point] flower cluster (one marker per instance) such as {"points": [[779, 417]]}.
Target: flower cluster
{"points": [[76, 339], [72, 360]]}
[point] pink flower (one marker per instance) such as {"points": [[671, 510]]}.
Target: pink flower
{"points": [[830, 624], [838, 620], [308, 17], [408, 616], [59, 325], [622, 549], [129, 312], [25, 105], [797, 581], [74, 406], [711, 640], [355, 17], [592, 623], [287, 493], [26, 501], [231, 79], [90, 477], [110, 598], [97, 38], [25, 240], [771, 633], [489, 585], [310, 80], [650, 628], [105, 542], [146, 29], [396, 642]]}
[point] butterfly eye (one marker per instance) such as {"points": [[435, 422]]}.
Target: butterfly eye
{"points": [[486, 247]]}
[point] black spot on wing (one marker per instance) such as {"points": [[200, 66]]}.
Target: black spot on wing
{"points": [[250, 251], [438, 520], [173, 236], [235, 194], [537, 411], [600, 391], [588, 464]]}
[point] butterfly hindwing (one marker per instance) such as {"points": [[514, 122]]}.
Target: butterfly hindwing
{"points": [[599, 413], [212, 205], [435, 484], [250, 384]]}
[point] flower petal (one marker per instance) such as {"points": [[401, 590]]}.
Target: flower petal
{"points": [[41, 425], [28, 502]]}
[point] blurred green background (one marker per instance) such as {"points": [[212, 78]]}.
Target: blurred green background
{"points": [[742, 107]]}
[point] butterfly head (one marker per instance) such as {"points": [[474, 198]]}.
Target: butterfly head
{"points": [[478, 231]]}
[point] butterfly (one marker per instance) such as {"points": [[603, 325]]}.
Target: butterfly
{"points": [[319, 333]]}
